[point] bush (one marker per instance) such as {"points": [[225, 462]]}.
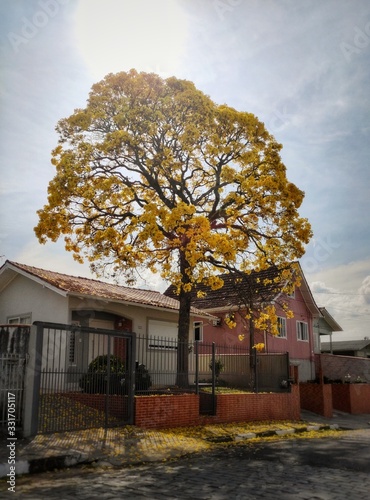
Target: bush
{"points": [[95, 381], [142, 378], [100, 364]]}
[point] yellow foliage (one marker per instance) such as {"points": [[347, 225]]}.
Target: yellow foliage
{"points": [[230, 320], [259, 347], [153, 173]]}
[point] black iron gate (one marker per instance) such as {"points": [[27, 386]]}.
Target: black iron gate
{"points": [[86, 377], [14, 340]]}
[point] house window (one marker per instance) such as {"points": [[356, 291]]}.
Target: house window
{"points": [[162, 334], [20, 320], [198, 330], [302, 331], [281, 324]]}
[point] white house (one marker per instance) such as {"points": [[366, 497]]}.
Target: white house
{"points": [[29, 294]]}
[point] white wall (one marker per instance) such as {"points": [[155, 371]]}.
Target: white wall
{"points": [[24, 296], [145, 322], [139, 315], [306, 369]]}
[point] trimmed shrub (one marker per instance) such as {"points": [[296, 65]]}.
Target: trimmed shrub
{"points": [[95, 381]]}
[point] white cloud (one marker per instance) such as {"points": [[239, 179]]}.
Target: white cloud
{"points": [[345, 292]]}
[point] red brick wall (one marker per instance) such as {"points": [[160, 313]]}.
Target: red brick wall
{"points": [[249, 407], [183, 410], [351, 398], [166, 411], [317, 398]]}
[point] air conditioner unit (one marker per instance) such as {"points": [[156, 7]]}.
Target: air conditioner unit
{"points": [[216, 322]]}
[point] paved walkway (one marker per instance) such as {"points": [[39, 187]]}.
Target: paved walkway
{"points": [[131, 445]]}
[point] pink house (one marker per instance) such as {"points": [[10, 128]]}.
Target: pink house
{"points": [[299, 335]]}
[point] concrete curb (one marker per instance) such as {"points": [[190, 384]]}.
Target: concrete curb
{"points": [[44, 464], [75, 457], [281, 432]]}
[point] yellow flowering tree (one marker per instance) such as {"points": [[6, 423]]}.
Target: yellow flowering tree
{"points": [[152, 173]]}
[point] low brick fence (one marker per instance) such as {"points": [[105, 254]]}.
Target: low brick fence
{"points": [[317, 398], [153, 412], [183, 410], [351, 398], [323, 398]]}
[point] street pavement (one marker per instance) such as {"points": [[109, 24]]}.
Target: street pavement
{"points": [[327, 469], [111, 466]]}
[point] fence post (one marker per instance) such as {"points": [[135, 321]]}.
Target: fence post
{"points": [[255, 361], [289, 380], [213, 378], [107, 389], [33, 381], [196, 346], [132, 377]]}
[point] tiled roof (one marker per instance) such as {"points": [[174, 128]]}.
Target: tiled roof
{"points": [[74, 285], [235, 290]]}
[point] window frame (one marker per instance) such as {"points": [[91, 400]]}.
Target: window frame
{"points": [[198, 325], [20, 319], [301, 334], [167, 341], [283, 322]]}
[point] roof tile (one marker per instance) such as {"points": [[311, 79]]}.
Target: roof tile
{"points": [[76, 285]]}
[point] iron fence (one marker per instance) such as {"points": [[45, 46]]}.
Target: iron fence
{"points": [[14, 339], [85, 378], [209, 365]]}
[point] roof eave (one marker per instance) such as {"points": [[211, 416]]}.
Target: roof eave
{"points": [[193, 313], [307, 295], [44, 283], [330, 320]]}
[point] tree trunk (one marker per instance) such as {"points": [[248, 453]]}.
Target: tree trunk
{"points": [[182, 378], [252, 353]]}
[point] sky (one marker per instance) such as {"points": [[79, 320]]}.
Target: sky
{"points": [[301, 66]]}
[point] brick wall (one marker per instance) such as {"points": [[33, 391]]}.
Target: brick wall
{"points": [[183, 410], [351, 398], [166, 411], [317, 398], [337, 367], [249, 407]]}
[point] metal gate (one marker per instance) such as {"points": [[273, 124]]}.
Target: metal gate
{"points": [[13, 356], [86, 377]]}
